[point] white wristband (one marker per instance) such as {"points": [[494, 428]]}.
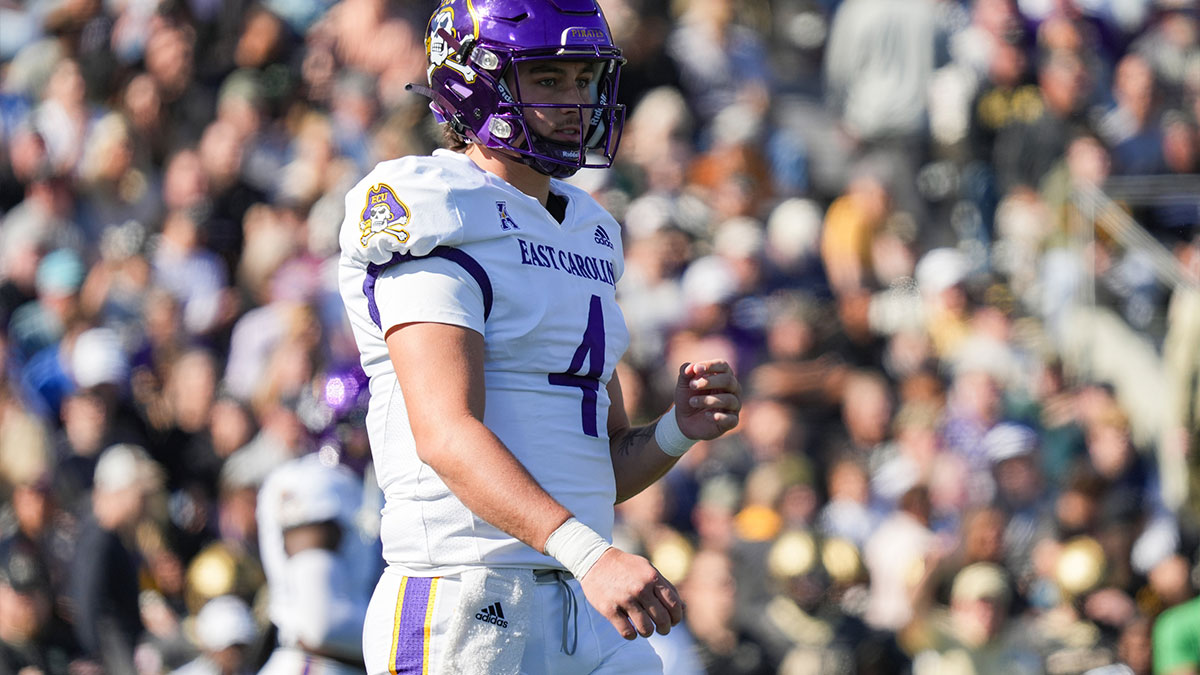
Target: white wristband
{"points": [[669, 437], [576, 546]]}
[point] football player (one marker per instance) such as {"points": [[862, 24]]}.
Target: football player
{"points": [[485, 314], [321, 564]]}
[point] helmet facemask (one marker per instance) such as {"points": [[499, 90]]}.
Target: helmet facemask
{"points": [[598, 123]]}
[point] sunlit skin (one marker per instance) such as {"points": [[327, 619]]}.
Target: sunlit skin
{"points": [[555, 82]]}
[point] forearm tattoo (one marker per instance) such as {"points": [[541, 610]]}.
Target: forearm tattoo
{"points": [[634, 439]]}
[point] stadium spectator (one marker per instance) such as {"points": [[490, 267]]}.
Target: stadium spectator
{"points": [[172, 175], [724, 647], [224, 629], [33, 637], [978, 633], [104, 576], [1176, 651]]}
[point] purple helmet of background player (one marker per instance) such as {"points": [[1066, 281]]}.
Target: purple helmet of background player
{"points": [[474, 44]]}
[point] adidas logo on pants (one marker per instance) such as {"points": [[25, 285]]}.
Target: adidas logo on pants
{"points": [[492, 614]]}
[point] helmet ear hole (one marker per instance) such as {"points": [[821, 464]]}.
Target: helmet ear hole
{"points": [[459, 89]]}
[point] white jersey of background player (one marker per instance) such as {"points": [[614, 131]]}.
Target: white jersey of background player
{"points": [[481, 293], [321, 564]]}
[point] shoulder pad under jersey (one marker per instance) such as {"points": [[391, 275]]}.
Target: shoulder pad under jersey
{"points": [[406, 206]]}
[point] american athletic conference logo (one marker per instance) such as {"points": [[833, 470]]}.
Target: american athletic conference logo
{"points": [[506, 221], [492, 614]]}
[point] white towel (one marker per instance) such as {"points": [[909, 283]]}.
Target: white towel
{"points": [[488, 630]]}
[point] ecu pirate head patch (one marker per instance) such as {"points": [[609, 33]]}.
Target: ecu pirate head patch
{"points": [[383, 213]]}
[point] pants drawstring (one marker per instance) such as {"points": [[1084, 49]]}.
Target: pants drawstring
{"points": [[570, 606], [570, 615]]}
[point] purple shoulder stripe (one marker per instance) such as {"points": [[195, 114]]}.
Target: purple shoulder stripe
{"points": [[454, 255]]}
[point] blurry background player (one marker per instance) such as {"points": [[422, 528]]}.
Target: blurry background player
{"points": [[320, 566], [485, 313]]}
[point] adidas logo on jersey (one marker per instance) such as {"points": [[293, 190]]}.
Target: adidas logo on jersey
{"points": [[492, 614], [602, 237]]}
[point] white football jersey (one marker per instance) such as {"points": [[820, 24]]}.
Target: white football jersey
{"points": [[439, 239], [303, 491]]}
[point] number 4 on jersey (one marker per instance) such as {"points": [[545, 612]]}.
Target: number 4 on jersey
{"points": [[592, 348]]}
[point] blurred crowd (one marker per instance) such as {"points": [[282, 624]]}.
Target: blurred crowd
{"points": [[971, 434]]}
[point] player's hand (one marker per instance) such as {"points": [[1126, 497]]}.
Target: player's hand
{"points": [[632, 595], [708, 398]]}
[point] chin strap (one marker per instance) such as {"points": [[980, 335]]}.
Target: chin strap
{"points": [[419, 89], [454, 123], [551, 169]]}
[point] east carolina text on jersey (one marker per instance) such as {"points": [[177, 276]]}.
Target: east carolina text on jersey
{"points": [[575, 264]]}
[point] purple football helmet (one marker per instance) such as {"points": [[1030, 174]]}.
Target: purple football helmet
{"points": [[474, 44]]}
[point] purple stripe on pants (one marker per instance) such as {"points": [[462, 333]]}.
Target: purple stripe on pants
{"points": [[410, 633]]}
